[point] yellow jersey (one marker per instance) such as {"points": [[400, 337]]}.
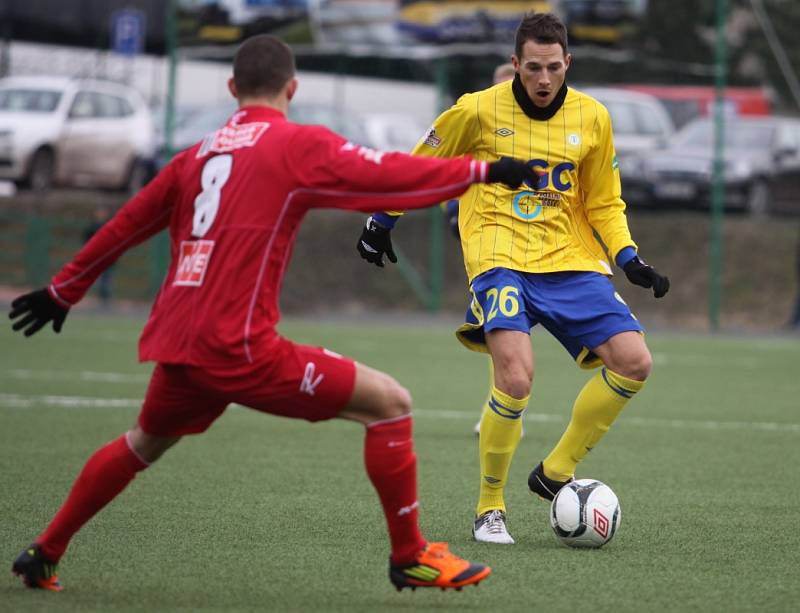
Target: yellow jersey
{"points": [[557, 224]]}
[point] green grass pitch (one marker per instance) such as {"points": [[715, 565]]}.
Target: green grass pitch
{"points": [[270, 514]]}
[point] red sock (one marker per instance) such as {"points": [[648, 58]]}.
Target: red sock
{"points": [[104, 476], [392, 468]]}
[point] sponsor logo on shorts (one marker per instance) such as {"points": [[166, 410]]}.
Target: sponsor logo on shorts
{"points": [[309, 383]]}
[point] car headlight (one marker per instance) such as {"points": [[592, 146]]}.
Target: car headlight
{"points": [[739, 169]]}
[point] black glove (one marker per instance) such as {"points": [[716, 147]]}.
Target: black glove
{"points": [[645, 275], [511, 172], [374, 242], [33, 311]]}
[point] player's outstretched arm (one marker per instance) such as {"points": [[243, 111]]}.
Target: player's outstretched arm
{"points": [[642, 274], [376, 240], [35, 310]]}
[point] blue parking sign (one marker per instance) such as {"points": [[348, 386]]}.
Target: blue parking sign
{"points": [[127, 31]]}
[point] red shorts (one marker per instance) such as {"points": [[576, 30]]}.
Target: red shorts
{"points": [[296, 381]]}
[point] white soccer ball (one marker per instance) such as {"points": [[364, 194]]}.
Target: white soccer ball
{"points": [[585, 513]]}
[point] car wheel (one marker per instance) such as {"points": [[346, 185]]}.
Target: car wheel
{"points": [[758, 199], [41, 171], [138, 176]]}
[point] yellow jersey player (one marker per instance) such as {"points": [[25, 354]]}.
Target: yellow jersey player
{"points": [[540, 255]]}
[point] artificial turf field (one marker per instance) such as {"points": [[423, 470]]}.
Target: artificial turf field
{"points": [[269, 514]]}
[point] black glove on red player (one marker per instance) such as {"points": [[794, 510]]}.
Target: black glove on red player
{"points": [[35, 310], [374, 242], [511, 172]]}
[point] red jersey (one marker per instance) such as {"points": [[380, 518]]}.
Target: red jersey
{"points": [[233, 204]]}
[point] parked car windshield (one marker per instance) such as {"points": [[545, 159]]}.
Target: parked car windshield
{"points": [[29, 100], [738, 134]]}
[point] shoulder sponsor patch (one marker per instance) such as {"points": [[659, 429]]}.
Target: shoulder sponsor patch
{"points": [[615, 163], [432, 139]]}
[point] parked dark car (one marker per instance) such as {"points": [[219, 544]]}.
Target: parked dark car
{"points": [[761, 166]]}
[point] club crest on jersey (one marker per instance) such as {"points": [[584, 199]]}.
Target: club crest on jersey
{"points": [[504, 132], [432, 140], [193, 261]]}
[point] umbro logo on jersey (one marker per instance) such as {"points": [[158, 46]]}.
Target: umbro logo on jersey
{"points": [[504, 132]]}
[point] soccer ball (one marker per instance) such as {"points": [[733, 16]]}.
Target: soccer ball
{"points": [[585, 513]]}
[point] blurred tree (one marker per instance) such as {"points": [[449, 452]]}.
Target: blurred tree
{"points": [[757, 60]]}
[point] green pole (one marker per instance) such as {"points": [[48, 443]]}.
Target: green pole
{"points": [[159, 246], [171, 39], [436, 260], [718, 178]]}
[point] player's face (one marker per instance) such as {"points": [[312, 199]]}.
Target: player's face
{"points": [[542, 69]]}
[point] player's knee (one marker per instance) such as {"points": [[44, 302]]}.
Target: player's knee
{"points": [[637, 366], [147, 446], [396, 400], [516, 383]]}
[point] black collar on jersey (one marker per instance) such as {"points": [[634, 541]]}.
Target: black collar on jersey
{"points": [[542, 113]]}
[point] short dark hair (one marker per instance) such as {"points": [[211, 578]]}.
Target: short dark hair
{"points": [[263, 64], [543, 28]]}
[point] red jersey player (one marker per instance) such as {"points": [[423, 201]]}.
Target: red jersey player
{"points": [[233, 204]]}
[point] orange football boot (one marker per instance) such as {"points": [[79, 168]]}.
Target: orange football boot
{"points": [[435, 566]]}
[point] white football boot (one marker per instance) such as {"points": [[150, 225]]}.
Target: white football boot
{"points": [[491, 528]]}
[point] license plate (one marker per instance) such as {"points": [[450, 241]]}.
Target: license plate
{"points": [[676, 191]]}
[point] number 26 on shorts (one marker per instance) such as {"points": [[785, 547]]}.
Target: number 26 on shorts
{"points": [[505, 299]]}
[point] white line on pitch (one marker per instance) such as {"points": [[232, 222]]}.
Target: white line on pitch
{"points": [[83, 375], [19, 401]]}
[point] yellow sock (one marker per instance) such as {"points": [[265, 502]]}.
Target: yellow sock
{"points": [[595, 409], [491, 384], [501, 424]]}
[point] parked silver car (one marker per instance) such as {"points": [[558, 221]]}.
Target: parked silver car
{"points": [[60, 131], [641, 125], [761, 166]]}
